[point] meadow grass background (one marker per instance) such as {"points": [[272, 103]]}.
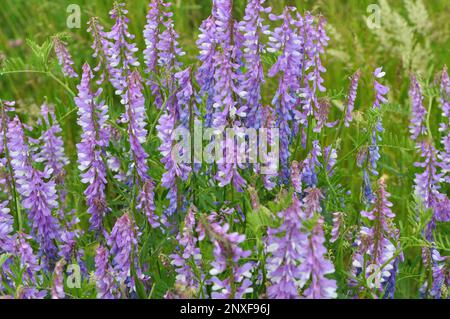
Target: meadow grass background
{"points": [[353, 45]]}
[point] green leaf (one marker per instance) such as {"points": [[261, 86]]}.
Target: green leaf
{"points": [[3, 258], [259, 220], [140, 289]]}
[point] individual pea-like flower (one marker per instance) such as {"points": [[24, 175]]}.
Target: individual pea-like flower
{"points": [[92, 117], [38, 193], [121, 49], [338, 218], [253, 28], [58, 281], [229, 273], [64, 57], [187, 260], [351, 97], [104, 276], [314, 266], [417, 126], [375, 248], [123, 249], [285, 244]]}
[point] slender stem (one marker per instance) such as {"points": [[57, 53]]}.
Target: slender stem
{"points": [[428, 119], [48, 73]]}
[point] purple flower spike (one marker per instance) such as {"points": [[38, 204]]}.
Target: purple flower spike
{"points": [[151, 36], [380, 90], [352, 97], [121, 49], [288, 43], [427, 186], [204, 76], [146, 203], [136, 118], [441, 273], [315, 266], [227, 259], [188, 257], [375, 244], [100, 46], [38, 195], [52, 149], [28, 260], [311, 165], [445, 126], [104, 275], [92, 117], [7, 239], [337, 224], [123, 243], [64, 58], [417, 126], [285, 245], [311, 202], [253, 28]]}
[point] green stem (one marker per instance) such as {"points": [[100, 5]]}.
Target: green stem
{"points": [[428, 119]]}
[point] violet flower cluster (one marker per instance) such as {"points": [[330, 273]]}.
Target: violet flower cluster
{"points": [[419, 112], [92, 117], [298, 254], [229, 274], [376, 242], [38, 192], [188, 259], [64, 58], [121, 49]]}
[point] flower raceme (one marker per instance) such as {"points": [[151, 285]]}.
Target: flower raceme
{"points": [[92, 117]]}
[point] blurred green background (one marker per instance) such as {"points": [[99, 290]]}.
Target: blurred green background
{"points": [[413, 37]]}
